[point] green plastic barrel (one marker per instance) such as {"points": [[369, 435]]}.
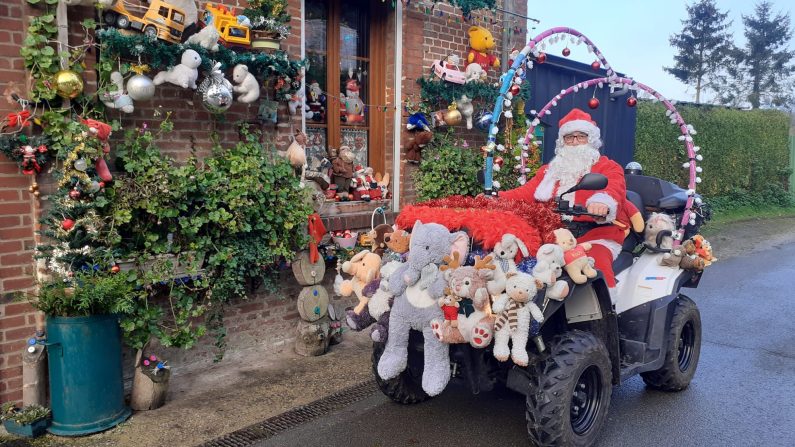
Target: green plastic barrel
{"points": [[86, 387]]}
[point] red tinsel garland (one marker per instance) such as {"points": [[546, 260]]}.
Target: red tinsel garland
{"points": [[486, 220]]}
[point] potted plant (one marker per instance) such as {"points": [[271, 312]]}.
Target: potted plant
{"points": [[269, 23], [84, 349], [29, 422]]}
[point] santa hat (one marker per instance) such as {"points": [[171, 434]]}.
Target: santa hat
{"points": [[578, 121]]}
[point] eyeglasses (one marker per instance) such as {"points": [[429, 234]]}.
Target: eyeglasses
{"points": [[571, 138]]}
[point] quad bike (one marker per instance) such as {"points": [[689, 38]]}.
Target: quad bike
{"points": [[591, 341]]}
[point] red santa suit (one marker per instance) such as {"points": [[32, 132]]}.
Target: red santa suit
{"points": [[606, 238]]}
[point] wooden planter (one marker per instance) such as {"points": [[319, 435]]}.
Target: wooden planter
{"points": [[149, 390], [264, 41], [32, 430]]}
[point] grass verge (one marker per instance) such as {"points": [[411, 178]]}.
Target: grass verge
{"points": [[722, 218]]}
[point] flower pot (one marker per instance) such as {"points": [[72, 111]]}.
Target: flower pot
{"points": [[264, 41], [86, 387], [33, 430]]}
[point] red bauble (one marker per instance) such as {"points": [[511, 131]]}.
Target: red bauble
{"points": [[498, 161], [115, 269], [515, 89], [67, 224], [75, 194], [596, 65], [593, 103], [632, 101], [541, 58], [101, 184], [566, 51]]}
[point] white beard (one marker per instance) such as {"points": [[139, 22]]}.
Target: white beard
{"points": [[566, 169]]}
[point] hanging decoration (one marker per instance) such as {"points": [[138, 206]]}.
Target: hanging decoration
{"points": [[185, 73], [216, 91], [30, 153], [140, 87], [117, 99], [68, 84], [247, 86]]}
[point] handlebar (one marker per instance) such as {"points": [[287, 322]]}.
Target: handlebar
{"points": [[576, 210]]}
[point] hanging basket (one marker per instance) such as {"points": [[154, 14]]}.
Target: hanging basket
{"points": [[265, 41]]}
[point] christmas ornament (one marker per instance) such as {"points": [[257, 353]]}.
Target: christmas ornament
{"points": [[632, 101], [216, 91], [566, 51], [115, 269], [483, 121], [498, 161], [81, 165], [68, 84], [116, 99], [452, 117], [75, 194], [67, 224], [515, 89], [94, 187], [593, 103], [102, 169], [596, 65], [140, 88], [541, 58]]}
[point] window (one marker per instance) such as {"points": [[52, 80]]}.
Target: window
{"points": [[177, 17], [163, 11], [346, 53]]}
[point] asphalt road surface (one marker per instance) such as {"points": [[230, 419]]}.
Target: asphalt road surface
{"points": [[743, 393]]}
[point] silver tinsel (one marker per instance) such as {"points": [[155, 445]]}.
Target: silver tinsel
{"points": [[216, 91]]}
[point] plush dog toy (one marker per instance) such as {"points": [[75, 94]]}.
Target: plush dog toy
{"points": [[247, 86], [364, 267], [514, 309], [504, 256], [414, 147], [548, 268], [578, 266], [417, 285], [469, 284], [184, 74]]}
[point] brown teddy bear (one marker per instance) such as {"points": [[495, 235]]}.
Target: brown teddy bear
{"points": [[342, 167], [364, 267], [577, 265], [414, 148], [398, 242], [378, 237]]}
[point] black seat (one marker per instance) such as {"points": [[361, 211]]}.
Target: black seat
{"points": [[627, 255]]}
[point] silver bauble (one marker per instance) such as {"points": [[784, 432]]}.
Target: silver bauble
{"points": [[216, 91], [81, 165], [94, 187], [140, 88]]}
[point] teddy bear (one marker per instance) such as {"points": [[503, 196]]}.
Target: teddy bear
{"points": [[577, 264], [117, 99], [247, 85], [703, 249], [475, 73], [414, 147], [466, 109], [481, 43], [184, 74], [397, 244], [504, 256], [364, 267], [378, 235], [342, 167], [207, 38], [476, 325], [685, 257], [450, 305], [548, 268], [416, 285], [514, 310]]}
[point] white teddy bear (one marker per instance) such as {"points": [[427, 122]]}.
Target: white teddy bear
{"points": [[184, 74], [475, 73], [247, 85], [514, 308], [207, 38], [548, 268]]}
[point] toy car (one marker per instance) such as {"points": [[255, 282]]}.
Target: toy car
{"points": [[448, 72]]}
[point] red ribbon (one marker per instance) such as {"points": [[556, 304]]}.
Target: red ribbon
{"points": [[19, 119]]}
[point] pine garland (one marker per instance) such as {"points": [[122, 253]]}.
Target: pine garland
{"points": [[160, 55], [434, 90], [12, 146]]}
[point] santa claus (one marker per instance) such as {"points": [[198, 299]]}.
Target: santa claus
{"points": [[576, 154]]}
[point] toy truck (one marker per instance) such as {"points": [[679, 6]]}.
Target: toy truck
{"points": [[225, 22], [160, 19]]}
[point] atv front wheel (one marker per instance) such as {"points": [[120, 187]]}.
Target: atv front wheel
{"points": [[684, 348], [570, 392], [406, 388]]}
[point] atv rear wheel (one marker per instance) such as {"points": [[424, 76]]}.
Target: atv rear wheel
{"points": [[407, 387], [570, 392], [684, 349]]}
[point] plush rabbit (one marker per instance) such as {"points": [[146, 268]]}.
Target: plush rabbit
{"points": [[504, 255]]}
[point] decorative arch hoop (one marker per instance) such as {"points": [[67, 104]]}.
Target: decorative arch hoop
{"points": [[514, 76]]}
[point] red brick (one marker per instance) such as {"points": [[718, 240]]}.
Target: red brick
{"points": [[10, 167], [18, 334], [9, 373], [12, 396], [17, 284], [13, 322], [9, 221], [10, 272], [12, 347], [12, 208], [16, 233], [18, 309], [16, 259], [9, 195]]}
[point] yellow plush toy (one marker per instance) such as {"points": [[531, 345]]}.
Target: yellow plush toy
{"points": [[481, 43]]}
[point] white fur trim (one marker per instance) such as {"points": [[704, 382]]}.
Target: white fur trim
{"points": [[612, 205], [613, 246], [546, 188], [580, 126]]}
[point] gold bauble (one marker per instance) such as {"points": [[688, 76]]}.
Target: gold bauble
{"points": [[452, 117], [68, 84]]}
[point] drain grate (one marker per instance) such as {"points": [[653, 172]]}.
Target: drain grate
{"points": [[295, 417]]}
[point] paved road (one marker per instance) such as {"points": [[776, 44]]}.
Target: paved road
{"points": [[743, 393]]}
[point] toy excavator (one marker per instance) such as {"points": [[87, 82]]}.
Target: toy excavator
{"points": [[225, 22]]}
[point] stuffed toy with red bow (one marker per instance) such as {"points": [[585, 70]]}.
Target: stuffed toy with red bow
{"points": [[102, 132]]}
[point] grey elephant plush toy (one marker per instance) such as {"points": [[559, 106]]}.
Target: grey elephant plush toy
{"points": [[416, 286]]}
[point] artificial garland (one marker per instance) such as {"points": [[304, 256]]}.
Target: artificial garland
{"points": [[467, 6], [434, 90], [30, 160], [161, 56]]}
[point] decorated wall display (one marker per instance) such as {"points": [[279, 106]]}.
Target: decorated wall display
{"points": [[356, 139]]}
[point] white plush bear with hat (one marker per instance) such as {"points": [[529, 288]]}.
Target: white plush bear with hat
{"points": [[184, 74], [247, 85]]}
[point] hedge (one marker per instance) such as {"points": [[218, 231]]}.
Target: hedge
{"points": [[744, 150]]}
